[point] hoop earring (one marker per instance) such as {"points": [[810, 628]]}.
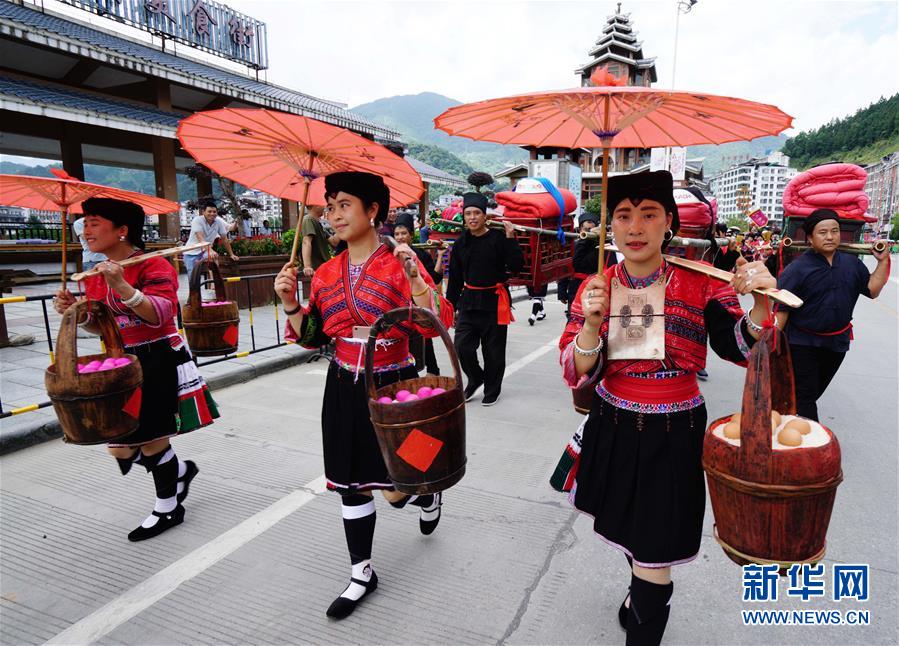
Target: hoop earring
{"points": [[668, 235]]}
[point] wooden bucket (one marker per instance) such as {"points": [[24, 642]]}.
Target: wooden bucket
{"points": [[211, 330], [94, 407], [422, 442], [770, 506]]}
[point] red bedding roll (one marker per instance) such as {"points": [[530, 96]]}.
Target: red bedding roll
{"points": [[840, 187], [534, 205]]}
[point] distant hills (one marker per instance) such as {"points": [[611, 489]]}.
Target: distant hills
{"points": [[413, 116]]}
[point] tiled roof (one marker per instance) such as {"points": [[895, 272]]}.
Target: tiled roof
{"points": [[435, 175], [73, 99], [32, 21]]}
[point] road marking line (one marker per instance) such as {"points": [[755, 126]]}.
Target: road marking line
{"points": [[134, 601]]}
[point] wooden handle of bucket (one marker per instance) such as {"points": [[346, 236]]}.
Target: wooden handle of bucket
{"points": [[420, 316], [769, 385], [194, 299], [67, 340]]}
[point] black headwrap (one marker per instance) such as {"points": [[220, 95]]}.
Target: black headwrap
{"points": [[368, 187], [474, 199], [816, 216], [120, 213], [657, 186], [405, 220], [586, 216]]}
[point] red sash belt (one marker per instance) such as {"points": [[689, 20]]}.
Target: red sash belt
{"points": [[395, 351], [652, 391], [504, 306], [836, 333], [579, 275]]}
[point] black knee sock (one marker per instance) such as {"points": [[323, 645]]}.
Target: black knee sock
{"points": [[649, 612], [359, 517], [164, 467], [358, 513]]}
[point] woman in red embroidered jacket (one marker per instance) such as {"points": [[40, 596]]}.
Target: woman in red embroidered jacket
{"points": [[349, 293], [174, 397], [640, 474]]}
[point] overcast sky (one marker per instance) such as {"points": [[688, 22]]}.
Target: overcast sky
{"points": [[813, 59]]}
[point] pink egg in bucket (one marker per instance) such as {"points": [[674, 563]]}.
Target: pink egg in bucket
{"points": [[385, 400], [425, 391], [438, 391], [402, 395]]}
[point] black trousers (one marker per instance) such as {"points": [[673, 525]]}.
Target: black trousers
{"points": [[422, 350], [474, 328], [813, 370]]}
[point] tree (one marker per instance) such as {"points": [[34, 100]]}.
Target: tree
{"points": [[894, 230], [594, 205], [737, 220], [233, 203], [479, 180], [34, 222]]}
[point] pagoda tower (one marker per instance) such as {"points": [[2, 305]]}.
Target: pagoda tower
{"points": [[618, 50]]}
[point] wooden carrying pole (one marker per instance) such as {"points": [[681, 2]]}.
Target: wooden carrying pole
{"points": [[849, 247], [162, 253], [780, 295], [498, 224]]}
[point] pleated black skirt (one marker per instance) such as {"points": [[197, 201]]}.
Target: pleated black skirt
{"points": [[640, 477], [353, 460]]}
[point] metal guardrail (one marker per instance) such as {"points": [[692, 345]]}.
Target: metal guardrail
{"points": [[43, 298]]}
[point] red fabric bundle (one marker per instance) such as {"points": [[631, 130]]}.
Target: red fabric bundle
{"points": [[692, 211], [534, 205], [840, 187]]}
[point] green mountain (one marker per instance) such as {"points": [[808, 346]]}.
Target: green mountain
{"points": [[413, 116], [129, 179], [861, 138], [723, 156]]}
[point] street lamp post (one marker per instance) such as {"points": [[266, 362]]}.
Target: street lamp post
{"points": [[683, 6]]}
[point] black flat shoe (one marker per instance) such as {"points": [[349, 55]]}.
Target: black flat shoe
{"points": [[166, 521], [623, 610], [342, 607], [427, 527], [190, 473]]}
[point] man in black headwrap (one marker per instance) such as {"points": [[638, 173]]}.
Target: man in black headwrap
{"points": [[829, 283], [480, 263]]}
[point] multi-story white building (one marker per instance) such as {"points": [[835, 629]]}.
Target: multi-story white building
{"points": [[763, 179], [882, 189], [271, 205]]}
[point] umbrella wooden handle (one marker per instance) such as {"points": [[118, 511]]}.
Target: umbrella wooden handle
{"points": [[782, 296], [409, 264], [162, 253]]}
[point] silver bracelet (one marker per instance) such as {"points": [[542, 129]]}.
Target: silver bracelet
{"points": [[134, 300], [752, 325], [587, 353]]}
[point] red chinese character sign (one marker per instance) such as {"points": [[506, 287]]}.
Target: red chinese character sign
{"points": [[205, 24]]}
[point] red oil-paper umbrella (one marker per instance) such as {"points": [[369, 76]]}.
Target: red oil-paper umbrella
{"points": [[610, 114], [282, 154], [65, 194]]}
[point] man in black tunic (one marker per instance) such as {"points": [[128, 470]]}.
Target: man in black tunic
{"points": [[479, 265], [829, 282]]}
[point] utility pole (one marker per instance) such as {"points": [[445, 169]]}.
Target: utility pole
{"points": [[683, 6]]}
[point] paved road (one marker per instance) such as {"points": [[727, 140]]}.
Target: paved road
{"points": [[261, 553]]}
